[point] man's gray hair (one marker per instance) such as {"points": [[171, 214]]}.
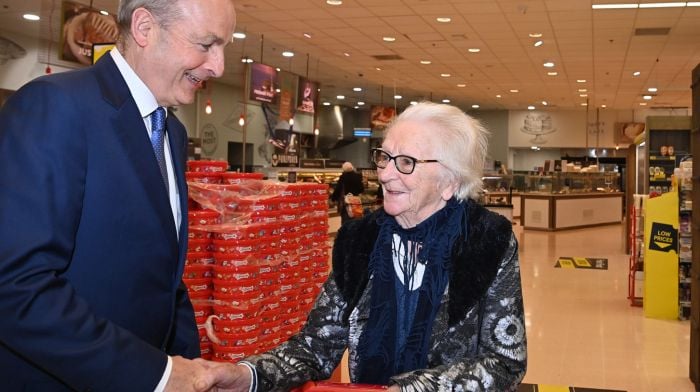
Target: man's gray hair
{"points": [[166, 13]]}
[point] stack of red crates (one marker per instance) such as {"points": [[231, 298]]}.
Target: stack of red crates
{"points": [[269, 247], [200, 260]]}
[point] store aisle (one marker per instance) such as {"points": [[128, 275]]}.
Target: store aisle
{"points": [[582, 331]]}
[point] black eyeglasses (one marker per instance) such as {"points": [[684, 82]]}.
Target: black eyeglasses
{"points": [[404, 163]]}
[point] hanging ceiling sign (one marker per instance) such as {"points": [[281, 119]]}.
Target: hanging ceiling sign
{"points": [[307, 98], [263, 82], [82, 27]]}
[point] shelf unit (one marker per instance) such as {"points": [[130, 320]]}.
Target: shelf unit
{"points": [[685, 240], [654, 168], [661, 132], [695, 269], [660, 171], [635, 277]]}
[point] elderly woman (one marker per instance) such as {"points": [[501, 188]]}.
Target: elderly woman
{"points": [[425, 293]]}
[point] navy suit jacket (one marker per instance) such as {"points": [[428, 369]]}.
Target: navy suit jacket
{"points": [[91, 296]]}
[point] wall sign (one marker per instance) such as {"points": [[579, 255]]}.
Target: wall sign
{"points": [[210, 139]]}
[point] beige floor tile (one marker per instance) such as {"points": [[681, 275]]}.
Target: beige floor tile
{"points": [[581, 329]]}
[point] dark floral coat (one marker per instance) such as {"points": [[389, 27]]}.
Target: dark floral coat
{"points": [[478, 340]]}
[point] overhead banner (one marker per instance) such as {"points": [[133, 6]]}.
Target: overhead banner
{"points": [[82, 27], [287, 85], [626, 132], [661, 256], [263, 82], [307, 98], [381, 117]]}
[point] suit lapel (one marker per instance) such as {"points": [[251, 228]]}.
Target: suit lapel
{"points": [[131, 133], [176, 138]]}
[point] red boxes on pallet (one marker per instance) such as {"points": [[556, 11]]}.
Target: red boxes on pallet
{"points": [[263, 246]]}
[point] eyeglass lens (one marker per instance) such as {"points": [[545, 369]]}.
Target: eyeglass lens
{"points": [[403, 163]]}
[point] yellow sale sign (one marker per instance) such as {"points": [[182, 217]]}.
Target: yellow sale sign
{"points": [[661, 257]]}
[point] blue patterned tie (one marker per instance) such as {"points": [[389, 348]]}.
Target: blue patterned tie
{"points": [[157, 139]]}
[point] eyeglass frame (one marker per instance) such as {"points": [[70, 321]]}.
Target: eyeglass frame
{"points": [[390, 158]]}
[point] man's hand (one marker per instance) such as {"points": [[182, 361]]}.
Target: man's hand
{"points": [[224, 377], [186, 376]]}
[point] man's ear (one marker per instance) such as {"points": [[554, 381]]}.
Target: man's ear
{"points": [[142, 26]]}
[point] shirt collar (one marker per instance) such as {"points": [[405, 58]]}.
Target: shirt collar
{"points": [[145, 100]]}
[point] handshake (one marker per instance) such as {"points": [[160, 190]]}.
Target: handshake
{"points": [[201, 375]]}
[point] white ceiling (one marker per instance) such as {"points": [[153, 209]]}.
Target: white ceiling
{"points": [[599, 46]]}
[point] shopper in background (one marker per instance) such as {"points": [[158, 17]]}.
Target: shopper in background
{"points": [[93, 216], [425, 293], [349, 181]]}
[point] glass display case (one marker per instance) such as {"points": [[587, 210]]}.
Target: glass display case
{"points": [[497, 189], [574, 182], [499, 183], [558, 182], [500, 195]]}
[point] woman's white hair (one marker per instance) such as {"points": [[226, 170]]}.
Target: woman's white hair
{"points": [[461, 143]]}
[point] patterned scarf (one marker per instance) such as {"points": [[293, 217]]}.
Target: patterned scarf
{"points": [[397, 336]]}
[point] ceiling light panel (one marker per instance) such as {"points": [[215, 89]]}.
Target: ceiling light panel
{"points": [[614, 6], [676, 4]]}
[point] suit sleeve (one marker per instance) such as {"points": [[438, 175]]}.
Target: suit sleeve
{"points": [[44, 153], [185, 338]]}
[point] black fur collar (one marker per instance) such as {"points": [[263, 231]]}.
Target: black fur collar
{"points": [[474, 261]]}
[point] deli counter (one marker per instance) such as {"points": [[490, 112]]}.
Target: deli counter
{"points": [[556, 201]]}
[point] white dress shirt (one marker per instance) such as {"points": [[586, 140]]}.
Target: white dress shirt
{"points": [[146, 103]]}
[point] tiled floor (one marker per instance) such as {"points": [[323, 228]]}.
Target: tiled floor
{"points": [[581, 330]]}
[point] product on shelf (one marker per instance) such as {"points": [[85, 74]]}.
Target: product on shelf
{"points": [[683, 179]]}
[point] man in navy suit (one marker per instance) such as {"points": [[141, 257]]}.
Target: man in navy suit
{"points": [[93, 217]]}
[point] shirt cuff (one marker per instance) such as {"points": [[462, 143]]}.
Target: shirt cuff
{"points": [[253, 375], [166, 376]]}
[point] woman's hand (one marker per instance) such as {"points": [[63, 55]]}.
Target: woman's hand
{"points": [[224, 377]]}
